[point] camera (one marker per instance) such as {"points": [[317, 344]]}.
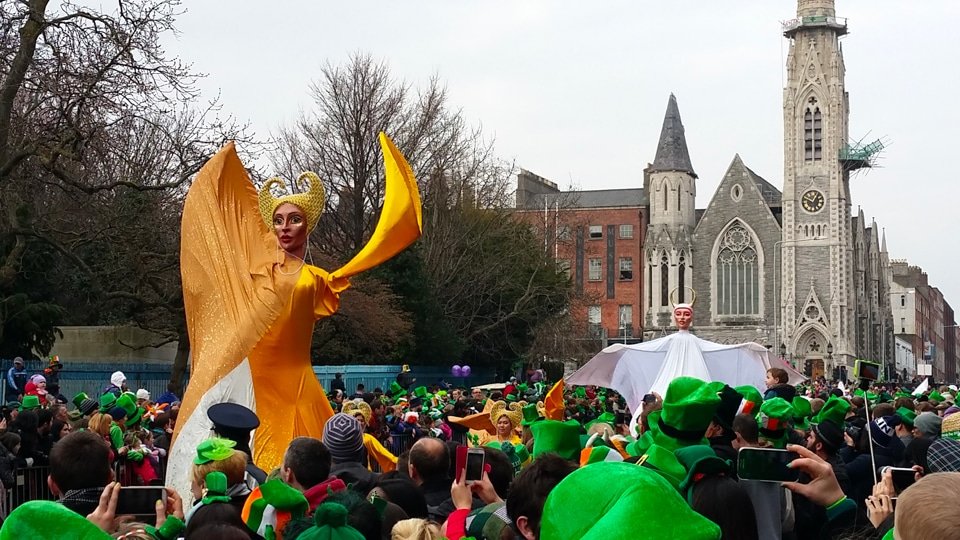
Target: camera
{"points": [[853, 431]]}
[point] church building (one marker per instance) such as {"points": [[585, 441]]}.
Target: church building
{"points": [[790, 268]]}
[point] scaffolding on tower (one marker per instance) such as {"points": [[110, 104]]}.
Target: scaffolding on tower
{"points": [[860, 155]]}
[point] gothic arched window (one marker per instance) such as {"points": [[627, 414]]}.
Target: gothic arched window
{"points": [[737, 273], [664, 281], [681, 280], [813, 133]]}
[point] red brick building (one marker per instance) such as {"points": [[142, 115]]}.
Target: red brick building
{"points": [[598, 236]]}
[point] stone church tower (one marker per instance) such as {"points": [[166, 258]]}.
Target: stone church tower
{"points": [[670, 185], [817, 304]]}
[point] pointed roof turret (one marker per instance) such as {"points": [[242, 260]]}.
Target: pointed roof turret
{"points": [[672, 154], [883, 242]]}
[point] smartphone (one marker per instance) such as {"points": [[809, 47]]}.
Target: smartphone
{"points": [[649, 398], [766, 465], [461, 463], [475, 458], [140, 501], [868, 370], [902, 477]]}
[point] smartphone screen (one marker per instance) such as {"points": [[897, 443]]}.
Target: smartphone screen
{"points": [[140, 500], [766, 465], [474, 466], [902, 478]]}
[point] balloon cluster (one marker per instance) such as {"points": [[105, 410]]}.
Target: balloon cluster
{"points": [[460, 371]]}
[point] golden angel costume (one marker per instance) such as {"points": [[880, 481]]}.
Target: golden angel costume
{"points": [[251, 308]]}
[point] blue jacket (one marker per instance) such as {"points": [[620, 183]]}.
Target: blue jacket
{"points": [[17, 379]]}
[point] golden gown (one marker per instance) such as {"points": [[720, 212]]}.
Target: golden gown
{"points": [[251, 309]]}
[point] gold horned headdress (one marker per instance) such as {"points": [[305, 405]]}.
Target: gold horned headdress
{"points": [[513, 412], [360, 407], [693, 298], [309, 201]]}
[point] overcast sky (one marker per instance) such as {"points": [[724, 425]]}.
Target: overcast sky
{"points": [[575, 91]]}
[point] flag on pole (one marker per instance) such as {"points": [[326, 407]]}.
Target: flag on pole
{"points": [[922, 387], [553, 402]]}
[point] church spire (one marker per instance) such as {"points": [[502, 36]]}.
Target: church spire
{"points": [[672, 154]]}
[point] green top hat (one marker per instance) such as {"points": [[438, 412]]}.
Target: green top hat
{"points": [[935, 396], [601, 501], [129, 405], [907, 416], [752, 399], [107, 401], [774, 416], [562, 438], [420, 392], [580, 392], [801, 412], [834, 410], [79, 399], [688, 409], [530, 414], [29, 403], [42, 520], [699, 459], [396, 390]]}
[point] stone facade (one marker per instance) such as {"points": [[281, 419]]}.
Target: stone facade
{"points": [[791, 269]]}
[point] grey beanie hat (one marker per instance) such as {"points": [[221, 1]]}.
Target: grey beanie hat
{"points": [[928, 423], [343, 437]]}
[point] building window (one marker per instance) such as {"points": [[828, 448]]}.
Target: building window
{"points": [[664, 281], [812, 133], [649, 271], [596, 232], [626, 320], [595, 270], [903, 300], [593, 320], [682, 280], [563, 267], [903, 325], [626, 231], [737, 273], [626, 268], [563, 232]]}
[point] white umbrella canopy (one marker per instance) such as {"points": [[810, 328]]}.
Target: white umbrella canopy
{"points": [[643, 368]]}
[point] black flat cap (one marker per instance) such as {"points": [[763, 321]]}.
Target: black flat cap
{"points": [[232, 416]]}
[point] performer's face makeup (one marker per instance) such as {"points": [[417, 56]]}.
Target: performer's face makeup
{"points": [[683, 317], [290, 225]]}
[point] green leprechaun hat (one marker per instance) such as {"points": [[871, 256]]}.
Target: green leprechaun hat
{"points": [[107, 402], [688, 409], [532, 412], [834, 410], [700, 460], [330, 523], [907, 416], [79, 399], [553, 436], [801, 413], [774, 416], [620, 501], [42, 520], [129, 405], [29, 403], [752, 400]]}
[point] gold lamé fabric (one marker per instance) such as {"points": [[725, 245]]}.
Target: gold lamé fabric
{"points": [[244, 298]]}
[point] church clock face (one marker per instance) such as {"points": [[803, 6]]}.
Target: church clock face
{"points": [[812, 201]]}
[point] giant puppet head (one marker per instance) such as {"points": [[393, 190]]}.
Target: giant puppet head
{"points": [[682, 311]]}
